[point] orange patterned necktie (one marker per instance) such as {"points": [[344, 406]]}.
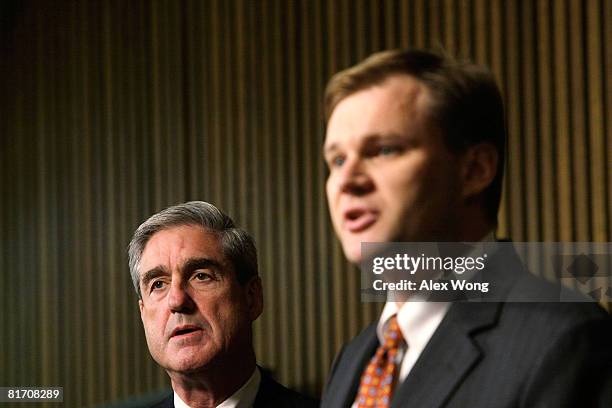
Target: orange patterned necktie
{"points": [[379, 377]]}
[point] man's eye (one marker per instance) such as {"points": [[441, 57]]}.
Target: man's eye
{"points": [[388, 150], [157, 285], [201, 276], [337, 161]]}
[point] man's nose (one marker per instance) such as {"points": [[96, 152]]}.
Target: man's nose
{"points": [[179, 300], [355, 178]]}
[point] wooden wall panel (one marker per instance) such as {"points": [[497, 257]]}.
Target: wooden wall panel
{"points": [[112, 110]]}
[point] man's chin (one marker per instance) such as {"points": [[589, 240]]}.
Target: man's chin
{"points": [[352, 247], [352, 252], [187, 359], [186, 366]]}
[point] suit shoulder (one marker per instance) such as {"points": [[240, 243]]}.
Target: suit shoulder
{"points": [[561, 305], [546, 321], [166, 402], [272, 394]]}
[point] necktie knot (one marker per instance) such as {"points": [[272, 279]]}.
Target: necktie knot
{"points": [[392, 334]]}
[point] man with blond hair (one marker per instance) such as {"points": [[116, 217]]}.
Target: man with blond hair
{"points": [[415, 146]]}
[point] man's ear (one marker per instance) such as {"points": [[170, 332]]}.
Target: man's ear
{"points": [[140, 306], [254, 295], [479, 166]]}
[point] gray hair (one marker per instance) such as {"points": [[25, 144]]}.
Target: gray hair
{"points": [[237, 244]]}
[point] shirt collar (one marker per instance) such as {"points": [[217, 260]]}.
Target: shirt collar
{"points": [[244, 397], [419, 319]]}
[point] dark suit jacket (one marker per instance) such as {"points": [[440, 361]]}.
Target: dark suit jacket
{"points": [[498, 354], [270, 395]]}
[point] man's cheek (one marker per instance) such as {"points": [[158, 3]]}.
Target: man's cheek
{"points": [[153, 330]]}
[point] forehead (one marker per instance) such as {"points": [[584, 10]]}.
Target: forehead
{"points": [[171, 247], [393, 106]]}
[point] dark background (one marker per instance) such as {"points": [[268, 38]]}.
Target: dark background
{"points": [[112, 110]]}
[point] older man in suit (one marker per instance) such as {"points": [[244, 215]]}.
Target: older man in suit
{"points": [[199, 292], [415, 148]]}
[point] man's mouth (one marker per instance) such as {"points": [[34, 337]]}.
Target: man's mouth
{"points": [[185, 331], [359, 219]]}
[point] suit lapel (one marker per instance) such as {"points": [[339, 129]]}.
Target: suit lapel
{"points": [[452, 353], [448, 357], [347, 375]]}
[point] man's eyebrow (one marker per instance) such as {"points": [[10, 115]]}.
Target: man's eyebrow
{"points": [[383, 137], [151, 274], [201, 263], [330, 148], [190, 265], [367, 139]]}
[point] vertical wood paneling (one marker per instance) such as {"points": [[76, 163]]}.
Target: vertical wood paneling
{"points": [[545, 121], [113, 110], [529, 111], [5, 128], [450, 25], [266, 251], [323, 269], [498, 65], [596, 75], [44, 265], [435, 26], [420, 23], [75, 141], [465, 23], [254, 205], [227, 106], [241, 129], [515, 164], [310, 150], [579, 140], [112, 189], [562, 122], [606, 16], [406, 38]]}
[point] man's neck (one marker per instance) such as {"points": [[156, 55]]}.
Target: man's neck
{"points": [[472, 226], [488, 235], [210, 388]]}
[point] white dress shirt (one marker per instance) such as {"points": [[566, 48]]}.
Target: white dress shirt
{"points": [[417, 321], [243, 398]]}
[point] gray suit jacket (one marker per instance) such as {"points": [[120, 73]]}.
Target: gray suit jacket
{"points": [[498, 354]]}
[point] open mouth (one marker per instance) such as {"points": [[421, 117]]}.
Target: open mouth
{"points": [[359, 219], [185, 331]]}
